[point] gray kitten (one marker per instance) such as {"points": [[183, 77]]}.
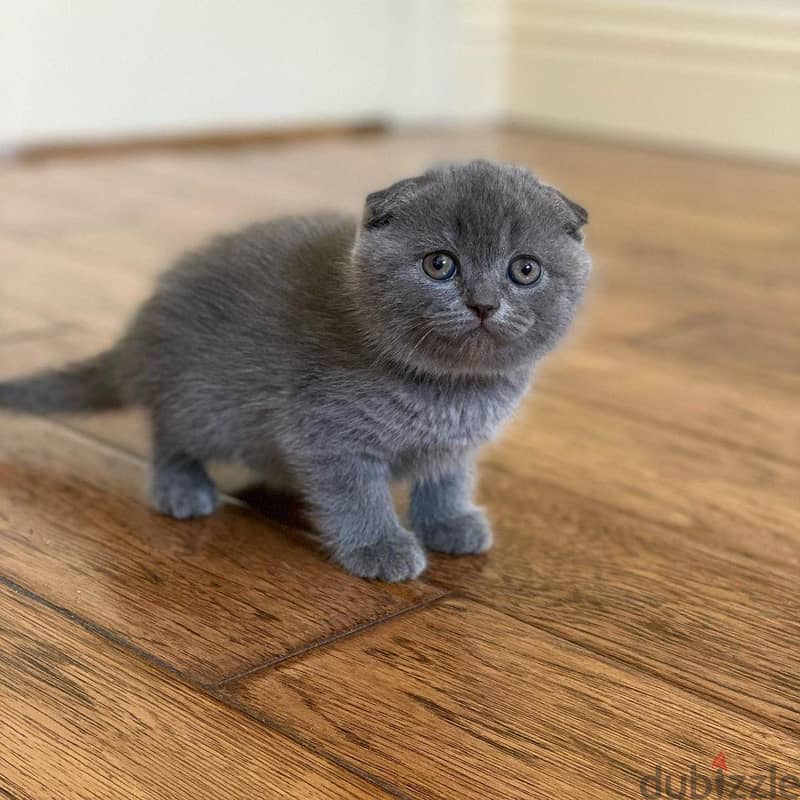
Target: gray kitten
{"points": [[334, 357]]}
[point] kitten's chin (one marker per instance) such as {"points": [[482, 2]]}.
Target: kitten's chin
{"points": [[476, 352]]}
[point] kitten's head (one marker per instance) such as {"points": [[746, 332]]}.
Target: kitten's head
{"points": [[469, 269]]}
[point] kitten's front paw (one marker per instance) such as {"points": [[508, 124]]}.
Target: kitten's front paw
{"points": [[467, 534], [393, 559]]}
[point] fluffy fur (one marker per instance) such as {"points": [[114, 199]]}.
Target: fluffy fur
{"points": [[317, 350]]}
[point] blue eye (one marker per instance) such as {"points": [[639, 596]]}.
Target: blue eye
{"points": [[439, 266], [525, 271]]}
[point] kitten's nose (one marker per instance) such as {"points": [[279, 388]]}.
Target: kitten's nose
{"points": [[482, 311]]}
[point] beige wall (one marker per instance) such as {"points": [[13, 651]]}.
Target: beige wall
{"points": [[722, 76]]}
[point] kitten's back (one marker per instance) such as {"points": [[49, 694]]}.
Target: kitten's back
{"points": [[267, 293]]}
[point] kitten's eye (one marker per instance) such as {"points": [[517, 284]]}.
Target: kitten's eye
{"points": [[525, 270], [439, 266]]}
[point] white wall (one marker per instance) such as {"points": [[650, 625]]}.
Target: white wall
{"points": [[89, 68], [94, 69]]}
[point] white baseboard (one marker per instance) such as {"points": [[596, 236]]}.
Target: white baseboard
{"points": [[713, 75]]}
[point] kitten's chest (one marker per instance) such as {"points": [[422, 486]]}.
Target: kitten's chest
{"points": [[444, 418]]}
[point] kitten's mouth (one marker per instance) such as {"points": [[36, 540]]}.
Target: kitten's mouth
{"points": [[483, 330], [482, 326]]}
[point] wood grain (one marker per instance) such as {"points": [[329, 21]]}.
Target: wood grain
{"points": [[60, 196], [84, 720], [730, 499], [462, 701], [720, 623], [678, 395], [207, 598], [740, 347], [46, 282]]}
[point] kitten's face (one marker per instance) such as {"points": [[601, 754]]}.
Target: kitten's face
{"points": [[474, 269]]}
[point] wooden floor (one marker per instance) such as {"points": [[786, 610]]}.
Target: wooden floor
{"points": [[640, 610]]}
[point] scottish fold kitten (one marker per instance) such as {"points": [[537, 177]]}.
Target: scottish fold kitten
{"points": [[335, 356]]}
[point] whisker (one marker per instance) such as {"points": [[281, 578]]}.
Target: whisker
{"points": [[421, 340]]}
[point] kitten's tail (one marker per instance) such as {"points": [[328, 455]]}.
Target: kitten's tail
{"points": [[88, 385]]}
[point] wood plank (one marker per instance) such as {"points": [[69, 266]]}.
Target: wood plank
{"points": [[678, 246], [614, 314], [638, 295], [723, 625], [736, 501], [461, 701], [653, 287], [59, 196], [46, 282], [136, 247], [723, 345], [673, 391], [17, 323], [58, 343], [83, 720], [207, 598]]}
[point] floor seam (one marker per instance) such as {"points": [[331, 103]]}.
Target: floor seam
{"points": [[92, 627], [443, 594], [184, 679], [290, 734], [447, 593]]}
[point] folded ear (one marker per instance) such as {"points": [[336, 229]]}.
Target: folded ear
{"points": [[381, 204], [575, 215]]}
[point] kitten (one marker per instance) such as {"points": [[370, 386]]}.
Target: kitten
{"points": [[334, 356]]}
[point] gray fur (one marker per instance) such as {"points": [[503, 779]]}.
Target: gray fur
{"points": [[88, 384], [317, 351]]}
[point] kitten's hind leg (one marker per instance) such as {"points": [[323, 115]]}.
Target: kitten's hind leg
{"points": [[180, 486]]}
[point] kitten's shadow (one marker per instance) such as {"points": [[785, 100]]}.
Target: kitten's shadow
{"points": [[283, 508], [286, 508]]}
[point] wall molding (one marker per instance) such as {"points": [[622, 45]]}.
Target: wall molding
{"points": [[712, 75]]}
